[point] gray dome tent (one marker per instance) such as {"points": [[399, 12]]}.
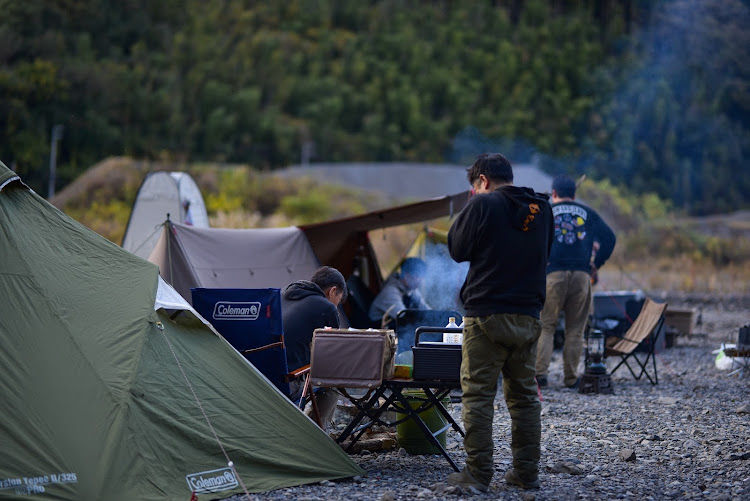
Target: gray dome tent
{"points": [[162, 193]]}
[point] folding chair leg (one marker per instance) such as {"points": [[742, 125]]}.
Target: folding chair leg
{"points": [[625, 361], [656, 375], [653, 360], [644, 365], [303, 398], [622, 359], [641, 365], [308, 390]]}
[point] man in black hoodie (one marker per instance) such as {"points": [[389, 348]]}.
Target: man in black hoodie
{"points": [[306, 306], [505, 232]]}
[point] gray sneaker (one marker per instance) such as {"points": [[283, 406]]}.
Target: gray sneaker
{"points": [[465, 480], [512, 478]]}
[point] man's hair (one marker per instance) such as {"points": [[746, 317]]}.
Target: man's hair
{"points": [[564, 186], [414, 266], [494, 166], [326, 277]]}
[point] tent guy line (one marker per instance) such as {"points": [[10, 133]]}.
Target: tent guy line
{"points": [[230, 463]]}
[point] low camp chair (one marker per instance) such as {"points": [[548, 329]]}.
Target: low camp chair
{"points": [[646, 327]]}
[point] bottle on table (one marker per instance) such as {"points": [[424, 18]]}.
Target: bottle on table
{"points": [[451, 337]]}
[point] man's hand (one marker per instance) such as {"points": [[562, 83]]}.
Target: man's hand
{"points": [[594, 274]]}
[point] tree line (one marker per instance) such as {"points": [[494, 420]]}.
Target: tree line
{"points": [[651, 95]]}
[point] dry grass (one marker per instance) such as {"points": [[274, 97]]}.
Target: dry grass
{"points": [[245, 219], [679, 274]]}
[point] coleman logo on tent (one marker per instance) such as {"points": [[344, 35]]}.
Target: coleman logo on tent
{"points": [[212, 481], [226, 310]]}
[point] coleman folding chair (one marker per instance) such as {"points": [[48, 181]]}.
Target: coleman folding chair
{"points": [[250, 320], [645, 328]]}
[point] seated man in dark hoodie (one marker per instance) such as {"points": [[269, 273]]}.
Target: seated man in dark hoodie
{"points": [[306, 306]]}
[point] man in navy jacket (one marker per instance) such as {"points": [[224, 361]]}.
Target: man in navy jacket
{"points": [[577, 229]]}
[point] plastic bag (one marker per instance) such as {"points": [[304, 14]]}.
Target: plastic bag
{"points": [[723, 362]]}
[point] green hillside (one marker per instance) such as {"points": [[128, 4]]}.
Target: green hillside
{"points": [[650, 95]]}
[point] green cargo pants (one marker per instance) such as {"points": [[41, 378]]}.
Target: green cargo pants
{"points": [[501, 343]]}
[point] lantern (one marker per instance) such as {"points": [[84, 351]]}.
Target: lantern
{"points": [[595, 353]]}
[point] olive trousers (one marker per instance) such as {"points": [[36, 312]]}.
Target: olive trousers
{"points": [[495, 344]]}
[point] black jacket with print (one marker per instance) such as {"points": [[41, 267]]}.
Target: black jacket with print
{"points": [[577, 227]]}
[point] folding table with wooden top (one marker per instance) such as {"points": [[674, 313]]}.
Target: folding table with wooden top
{"points": [[355, 359]]}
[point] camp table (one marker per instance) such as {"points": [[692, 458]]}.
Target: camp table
{"points": [[392, 390]]}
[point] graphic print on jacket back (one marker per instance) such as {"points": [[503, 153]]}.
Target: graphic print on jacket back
{"points": [[570, 223], [577, 227]]}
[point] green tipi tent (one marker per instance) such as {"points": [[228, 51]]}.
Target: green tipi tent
{"points": [[112, 387]]}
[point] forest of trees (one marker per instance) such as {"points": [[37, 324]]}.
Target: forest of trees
{"points": [[653, 95]]}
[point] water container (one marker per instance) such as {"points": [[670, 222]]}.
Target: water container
{"points": [[410, 436], [450, 337], [405, 358]]}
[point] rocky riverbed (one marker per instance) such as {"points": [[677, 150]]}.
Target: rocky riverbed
{"points": [[687, 437]]}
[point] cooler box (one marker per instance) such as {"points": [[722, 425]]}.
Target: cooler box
{"points": [[408, 433], [618, 304], [409, 320], [436, 361]]}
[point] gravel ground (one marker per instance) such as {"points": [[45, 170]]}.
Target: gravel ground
{"points": [[687, 437]]}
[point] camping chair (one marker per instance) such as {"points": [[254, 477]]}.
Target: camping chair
{"points": [[270, 360], [646, 327], [250, 320]]}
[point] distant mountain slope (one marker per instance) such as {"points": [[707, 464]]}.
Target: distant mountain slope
{"points": [[110, 178]]}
